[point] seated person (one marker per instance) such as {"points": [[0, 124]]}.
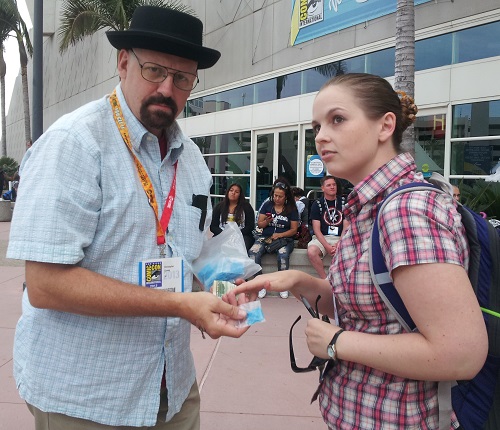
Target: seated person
{"points": [[279, 220], [456, 193], [234, 207], [302, 205], [328, 223]]}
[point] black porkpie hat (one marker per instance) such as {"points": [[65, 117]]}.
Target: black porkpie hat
{"points": [[165, 30]]}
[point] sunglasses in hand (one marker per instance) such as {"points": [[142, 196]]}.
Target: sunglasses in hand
{"points": [[316, 362], [324, 365]]}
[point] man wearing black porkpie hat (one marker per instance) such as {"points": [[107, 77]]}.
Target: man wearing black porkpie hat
{"points": [[114, 194]]}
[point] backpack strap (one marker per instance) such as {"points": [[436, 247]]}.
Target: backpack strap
{"points": [[378, 269], [390, 296]]}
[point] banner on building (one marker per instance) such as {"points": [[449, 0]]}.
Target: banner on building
{"points": [[315, 18]]}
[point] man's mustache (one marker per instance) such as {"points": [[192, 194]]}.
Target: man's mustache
{"points": [[160, 100]]}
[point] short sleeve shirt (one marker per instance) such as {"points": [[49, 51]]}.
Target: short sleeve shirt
{"points": [[81, 203], [281, 222], [418, 227], [331, 220]]}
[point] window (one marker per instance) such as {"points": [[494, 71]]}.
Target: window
{"points": [[476, 119], [477, 42], [465, 45], [228, 158], [475, 143], [433, 52], [429, 143], [381, 63]]}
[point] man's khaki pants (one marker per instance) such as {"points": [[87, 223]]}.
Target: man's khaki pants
{"points": [[188, 418]]}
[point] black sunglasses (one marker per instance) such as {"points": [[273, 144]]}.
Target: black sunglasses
{"points": [[280, 185], [316, 362]]}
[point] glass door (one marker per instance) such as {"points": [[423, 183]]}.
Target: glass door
{"points": [[311, 183], [276, 154]]}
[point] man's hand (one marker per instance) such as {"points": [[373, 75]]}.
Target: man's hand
{"points": [[332, 249], [212, 315]]}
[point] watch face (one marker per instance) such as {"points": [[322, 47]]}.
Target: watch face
{"points": [[331, 351]]}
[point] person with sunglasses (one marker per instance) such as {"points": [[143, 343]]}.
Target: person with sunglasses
{"points": [[110, 188], [279, 220], [382, 376]]}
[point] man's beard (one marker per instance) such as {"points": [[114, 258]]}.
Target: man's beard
{"points": [[158, 119]]}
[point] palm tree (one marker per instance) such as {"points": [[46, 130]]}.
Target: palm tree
{"points": [[405, 60], [3, 70], [83, 18], [4, 33], [11, 24]]}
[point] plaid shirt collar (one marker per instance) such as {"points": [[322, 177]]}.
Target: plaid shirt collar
{"points": [[381, 182]]}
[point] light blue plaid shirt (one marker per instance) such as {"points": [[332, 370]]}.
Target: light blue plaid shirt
{"points": [[80, 202]]}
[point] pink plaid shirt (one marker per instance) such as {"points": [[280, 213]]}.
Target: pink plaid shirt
{"points": [[417, 227]]}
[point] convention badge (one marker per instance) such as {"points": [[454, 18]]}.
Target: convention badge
{"points": [[162, 274], [333, 230]]}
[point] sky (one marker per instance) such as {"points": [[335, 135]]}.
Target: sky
{"points": [[11, 56]]}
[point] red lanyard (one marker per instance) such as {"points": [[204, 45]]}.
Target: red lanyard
{"points": [[161, 225]]}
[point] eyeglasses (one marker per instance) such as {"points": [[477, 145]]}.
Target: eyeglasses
{"points": [[280, 185], [316, 362], [155, 73]]}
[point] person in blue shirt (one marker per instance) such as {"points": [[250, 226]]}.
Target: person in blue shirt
{"points": [[112, 184], [279, 221]]}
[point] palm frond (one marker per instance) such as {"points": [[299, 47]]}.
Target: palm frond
{"points": [[9, 18], [482, 196], [12, 22], [82, 18], [170, 4], [26, 36]]}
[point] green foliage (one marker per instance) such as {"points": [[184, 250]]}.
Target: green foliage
{"points": [[82, 18], [482, 196], [12, 24], [8, 165]]}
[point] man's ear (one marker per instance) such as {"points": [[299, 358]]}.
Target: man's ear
{"points": [[123, 59], [387, 126]]}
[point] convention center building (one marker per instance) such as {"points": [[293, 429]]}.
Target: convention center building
{"points": [[250, 114]]}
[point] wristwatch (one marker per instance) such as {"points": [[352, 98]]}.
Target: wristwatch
{"points": [[332, 352]]}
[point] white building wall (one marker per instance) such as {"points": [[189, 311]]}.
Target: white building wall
{"points": [[253, 37], [433, 88]]}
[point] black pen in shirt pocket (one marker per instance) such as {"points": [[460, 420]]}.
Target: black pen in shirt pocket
{"points": [[200, 201]]}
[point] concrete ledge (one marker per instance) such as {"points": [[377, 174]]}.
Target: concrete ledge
{"points": [[298, 261], [5, 210]]}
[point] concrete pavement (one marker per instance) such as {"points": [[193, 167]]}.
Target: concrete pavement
{"points": [[245, 383]]}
